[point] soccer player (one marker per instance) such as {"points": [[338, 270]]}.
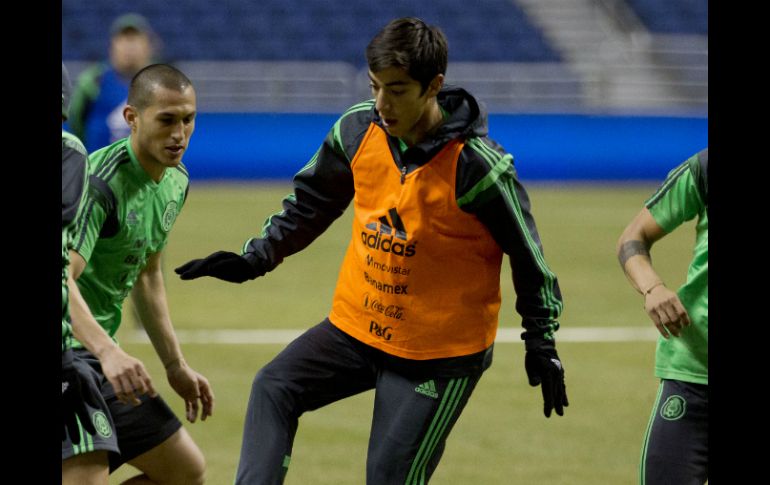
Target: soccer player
{"points": [[82, 405], [100, 93], [138, 187], [676, 443], [415, 311]]}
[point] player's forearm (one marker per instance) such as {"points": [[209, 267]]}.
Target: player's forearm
{"points": [[633, 251], [149, 296], [634, 258]]}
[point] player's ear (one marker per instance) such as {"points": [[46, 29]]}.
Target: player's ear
{"points": [[435, 85], [130, 114]]}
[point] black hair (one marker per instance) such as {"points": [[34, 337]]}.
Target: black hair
{"points": [[143, 84], [410, 44]]}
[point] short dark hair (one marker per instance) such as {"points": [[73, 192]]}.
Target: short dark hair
{"points": [[140, 91], [409, 43]]}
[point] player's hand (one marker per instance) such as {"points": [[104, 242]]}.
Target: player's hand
{"points": [[666, 311], [224, 265], [544, 368], [75, 394], [127, 375], [192, 387]]}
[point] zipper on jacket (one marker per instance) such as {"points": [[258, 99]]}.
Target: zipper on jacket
{"points": [[403, 174]]}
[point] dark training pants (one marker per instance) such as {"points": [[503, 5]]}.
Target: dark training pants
{"points": [[411, 421], [675, 450]]}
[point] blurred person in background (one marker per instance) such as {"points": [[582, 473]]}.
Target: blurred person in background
{"points": [[138, 186], [99, 96], [437, 204], [675, 448]]}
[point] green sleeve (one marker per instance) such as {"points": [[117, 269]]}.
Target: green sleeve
{"points": [[679, 198], [94, 212]]}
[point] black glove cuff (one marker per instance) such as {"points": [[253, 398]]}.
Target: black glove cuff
{"points": [[255, 263], [537, 342]]}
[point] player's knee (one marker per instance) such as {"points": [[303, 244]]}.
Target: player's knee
{"points": [[270, 391], [193, 473], [266, 385], [195, 476]]}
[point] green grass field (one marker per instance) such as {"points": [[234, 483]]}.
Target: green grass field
{"points": [[502, 437]]}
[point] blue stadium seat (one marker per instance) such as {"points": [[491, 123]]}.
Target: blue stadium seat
{"points": [[673, 17], [324, 30]]}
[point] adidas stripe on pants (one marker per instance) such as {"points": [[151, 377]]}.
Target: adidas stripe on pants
{"points": [[412, 417]]}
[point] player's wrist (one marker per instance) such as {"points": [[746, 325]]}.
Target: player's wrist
{"points": [[652, 287], [105, 350], [175, 364]]}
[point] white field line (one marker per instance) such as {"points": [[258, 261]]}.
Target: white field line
{"points": [[504, 335]]}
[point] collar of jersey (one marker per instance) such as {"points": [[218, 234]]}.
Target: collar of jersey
{"points": [[139, 171]]}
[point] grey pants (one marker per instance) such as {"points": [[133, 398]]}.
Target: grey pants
{"points": [[675, 450], [412, 417]]}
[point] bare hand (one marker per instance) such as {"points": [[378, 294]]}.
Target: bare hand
{"points": [[192, 387], [127, 375], [666, 311]]}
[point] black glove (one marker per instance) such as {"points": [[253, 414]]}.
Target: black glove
{"points": [[544, 368], [75, 395], [221, 264]]}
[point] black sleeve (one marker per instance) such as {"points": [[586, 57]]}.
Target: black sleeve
{"points": [[73, 169], [489, 188], [322, 191]]}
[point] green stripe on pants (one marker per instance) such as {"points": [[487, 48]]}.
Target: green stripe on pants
{"points": [[448, 405]]}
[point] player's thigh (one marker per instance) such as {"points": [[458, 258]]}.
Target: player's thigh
{"points": [[321, 366], [176, 461], [86, 469], [412, 420], [675, 448], [141, 428]]}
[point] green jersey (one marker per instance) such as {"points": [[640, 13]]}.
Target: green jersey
{"points": [[682, 197], [127, 218], [74, 184]]}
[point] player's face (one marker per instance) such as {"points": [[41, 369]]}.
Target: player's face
{"points": [[406, 111], [161, 132], [130, 51]]}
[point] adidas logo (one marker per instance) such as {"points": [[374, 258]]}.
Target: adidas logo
{"points": [[386, 227], [394, 228], [132, 219], [427, 389]]}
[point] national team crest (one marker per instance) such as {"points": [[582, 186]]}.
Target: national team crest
{"points": [[673, 408], [169, 215], [102, 424]]}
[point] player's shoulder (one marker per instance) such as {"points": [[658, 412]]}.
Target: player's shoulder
{"points": [[699, 167], [362, 110], [71, 142], [355, 119], [351, 126], [481, 153], [106, 163]]}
